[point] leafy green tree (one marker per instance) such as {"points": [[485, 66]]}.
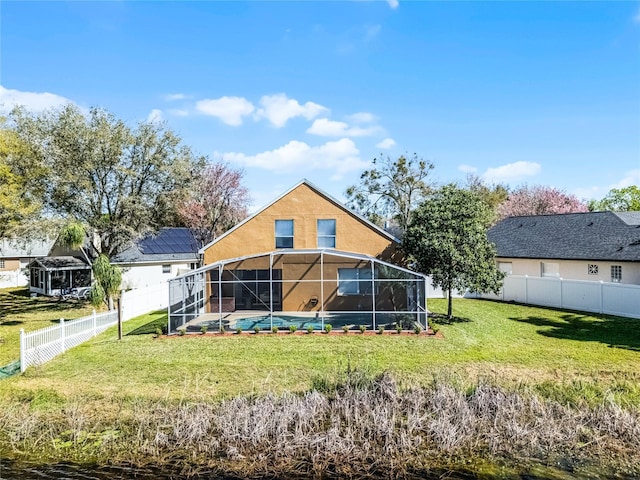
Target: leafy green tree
{"points": [[447, 238], [116, 181], [107, 281], [492, 195], [18, 207], [618, 200], [391, 189]]}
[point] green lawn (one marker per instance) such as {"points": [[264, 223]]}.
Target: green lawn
{"points": [[18, 310], [561, 354]]}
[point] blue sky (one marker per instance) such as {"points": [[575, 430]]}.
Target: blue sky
{"points": [[517, 92]]}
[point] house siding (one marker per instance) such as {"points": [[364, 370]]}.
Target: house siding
{"points": [[141, 275], [576, 269], [304, 206]]}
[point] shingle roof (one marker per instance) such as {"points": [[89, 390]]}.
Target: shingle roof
{"points": [[167, 244], [62, 263], [573, 236], [21, 247]]}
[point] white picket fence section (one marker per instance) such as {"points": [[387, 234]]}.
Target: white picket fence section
{"points": [[42, 345], [598, 297], [144, 300]]}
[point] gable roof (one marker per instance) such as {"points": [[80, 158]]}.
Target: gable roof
{"points": [[22, 247], [572, 236], [165, 245], [319, 192], [61, 263]]}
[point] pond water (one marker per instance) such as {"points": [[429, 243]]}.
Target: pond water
{"points": [[10, 470], [24, 471]]}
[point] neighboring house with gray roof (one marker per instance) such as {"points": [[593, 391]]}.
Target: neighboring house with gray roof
{"points": [[157, 257], [15, 255], [152, 260], [595, 246]]}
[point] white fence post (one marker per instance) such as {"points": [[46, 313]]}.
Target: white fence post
{"points": [[62, 334], [23, 365], [601, 309]]}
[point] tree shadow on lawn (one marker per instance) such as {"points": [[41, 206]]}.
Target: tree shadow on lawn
{"points": [[17, 303], [159, 320], [616, 332]]}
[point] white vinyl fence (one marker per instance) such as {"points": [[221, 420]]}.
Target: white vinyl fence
{"points": [[599, 297], [144, 300], [42, 345]]}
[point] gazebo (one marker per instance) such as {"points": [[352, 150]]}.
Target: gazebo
{"points": [[306, 288]]}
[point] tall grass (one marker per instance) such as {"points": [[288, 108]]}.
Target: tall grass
{"points": [[360, 426]]}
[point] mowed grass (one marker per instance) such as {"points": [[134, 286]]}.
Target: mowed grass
{"points": [[564, 355], [18, 310]]}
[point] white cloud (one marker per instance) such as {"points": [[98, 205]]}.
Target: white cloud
{"points": [[631, 177], [393, 3], [362, 117], [636, 17], [340, 157], [32, 101], [178, 112], [155, 116], [467, 168], [511, 172], [228, 109], [279, 109], [386, 143], [170, 97], [331, 128]]}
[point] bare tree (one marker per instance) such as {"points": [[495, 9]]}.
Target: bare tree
{"points": [[216, 202], [391, 189]]}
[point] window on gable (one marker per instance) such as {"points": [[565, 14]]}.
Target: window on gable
{"points": [[354, 281], [616, 273], [284, 233], [326, 234], [166, 268]]}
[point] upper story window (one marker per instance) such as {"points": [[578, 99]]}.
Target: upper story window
{"points": [[616, 273], [284, 233], [2, 264], [326, 234], [166, 268]]}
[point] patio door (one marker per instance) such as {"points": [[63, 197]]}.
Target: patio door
{"points": [[252, 290]]}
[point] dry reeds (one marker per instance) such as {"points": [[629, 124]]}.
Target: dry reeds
{"points": [[360, 428]]}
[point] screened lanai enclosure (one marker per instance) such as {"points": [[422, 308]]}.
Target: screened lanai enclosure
{"points": [[305, 288]]}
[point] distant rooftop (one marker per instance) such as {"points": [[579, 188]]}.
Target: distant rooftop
{"points": [[166, 244], [20, 247], [572, 236]]}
